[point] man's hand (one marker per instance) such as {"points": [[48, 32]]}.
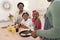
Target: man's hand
{"points": [[33, 34]]}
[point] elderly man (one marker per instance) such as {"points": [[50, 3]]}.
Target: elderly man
{"points": [[53, 14]]}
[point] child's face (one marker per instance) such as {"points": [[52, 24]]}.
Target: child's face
{"points": [[35, 15], [25, 16]]}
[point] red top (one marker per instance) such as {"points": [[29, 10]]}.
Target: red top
{"points": [[37, 24]]}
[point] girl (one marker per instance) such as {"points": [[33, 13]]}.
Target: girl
{"points": [[36, 20]]}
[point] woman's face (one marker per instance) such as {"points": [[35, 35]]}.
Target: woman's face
{"points": [[25, 16], [35, 15], [21, 7]]}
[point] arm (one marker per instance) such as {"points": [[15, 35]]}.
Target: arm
{"points": [[38, 22], [15, 16], [23, 25]]}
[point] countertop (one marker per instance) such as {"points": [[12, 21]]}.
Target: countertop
{"points": [[5, 34]]}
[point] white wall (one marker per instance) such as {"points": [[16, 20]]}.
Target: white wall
{"points": [[29, 4], [4, 13], [40, 5]]}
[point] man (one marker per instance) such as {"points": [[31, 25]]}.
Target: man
{"points": [[53, 14]]}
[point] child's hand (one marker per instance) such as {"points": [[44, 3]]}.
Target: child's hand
{"points": [[41, 38], [33, 34], [36, 29], [23, 26]]}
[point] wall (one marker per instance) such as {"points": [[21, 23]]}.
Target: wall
{"points": [[40, 5], [4, 13], [29, 4]]}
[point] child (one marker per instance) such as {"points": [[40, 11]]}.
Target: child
{"points": [[26, 22], [36, 20]]}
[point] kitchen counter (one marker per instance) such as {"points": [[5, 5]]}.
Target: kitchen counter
{"points": [[5, 34]]}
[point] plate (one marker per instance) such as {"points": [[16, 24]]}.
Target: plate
{"points": [[25, 33]]}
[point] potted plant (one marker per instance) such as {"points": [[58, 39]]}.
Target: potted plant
{"points": [[10, 16]]}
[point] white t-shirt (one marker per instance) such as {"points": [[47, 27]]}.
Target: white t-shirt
{"points": [[28, 23], [19, 17]]}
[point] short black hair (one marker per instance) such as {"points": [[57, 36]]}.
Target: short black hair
{"points": [[19, 4], [25, 13]]}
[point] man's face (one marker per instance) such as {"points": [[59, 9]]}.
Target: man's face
{"points": [[21, 7], [49, 0]]}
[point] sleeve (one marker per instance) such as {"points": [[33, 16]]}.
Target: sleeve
{"points": [[53, 32]]}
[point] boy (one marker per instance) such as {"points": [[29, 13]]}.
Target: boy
{"points": [[26, 22]]}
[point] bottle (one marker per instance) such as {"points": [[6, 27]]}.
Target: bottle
{"points": [[17, 28], [11, 28]]}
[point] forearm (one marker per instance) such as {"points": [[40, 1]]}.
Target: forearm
{"points": [[47, 33]]}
